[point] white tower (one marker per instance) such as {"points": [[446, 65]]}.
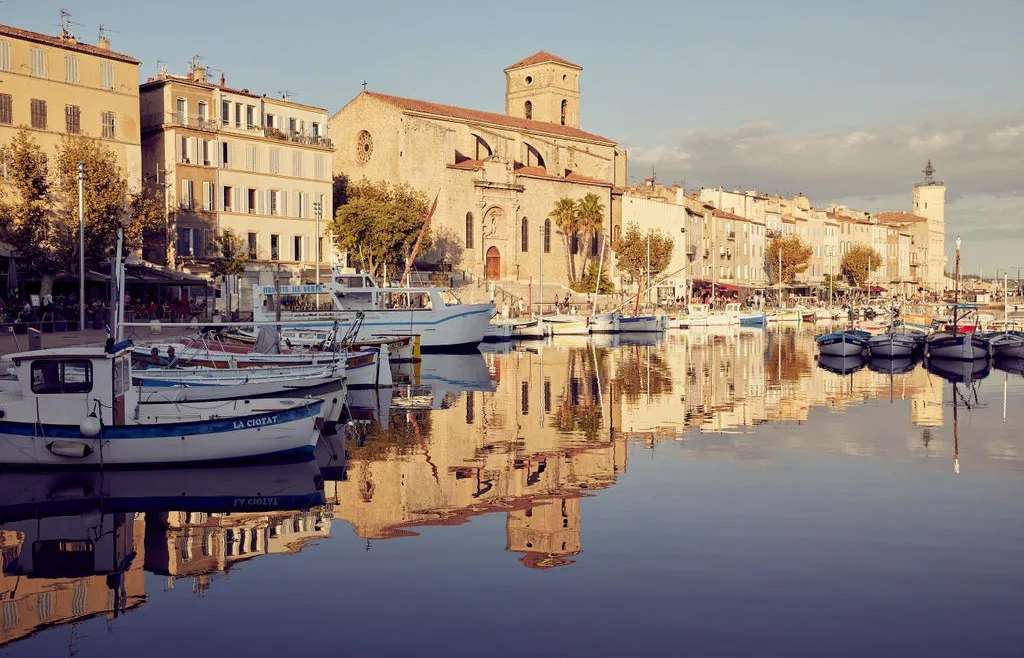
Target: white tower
{"points": [[930, 203]]}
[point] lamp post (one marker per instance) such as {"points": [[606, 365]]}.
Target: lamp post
{"points": [[318, 210], [81, 246]]}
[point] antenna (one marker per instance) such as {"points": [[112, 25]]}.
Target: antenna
{"points": [[161, 67], [104, 31], [66, 23], [284, 93], [195, 62]]}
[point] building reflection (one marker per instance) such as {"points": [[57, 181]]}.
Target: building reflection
{"points": [[66, 569]]}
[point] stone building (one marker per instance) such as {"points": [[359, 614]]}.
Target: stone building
{"points": [[228, 158], [57, 86], [496, 176]]}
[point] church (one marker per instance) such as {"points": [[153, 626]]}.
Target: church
{"points": [[497, 176]]}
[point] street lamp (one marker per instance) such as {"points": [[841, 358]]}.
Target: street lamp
{"points": [[81, 246], [318, 209]]}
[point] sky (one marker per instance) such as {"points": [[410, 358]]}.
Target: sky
{"points": [[844, 101]]}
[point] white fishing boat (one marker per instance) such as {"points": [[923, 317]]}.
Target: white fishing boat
{"points": [[746, 318], [701, 315], [786, 315], [515, 329], [434, 314], [77, 406], [640, 324], [203, 384], [566, 325], [606, 323], [829, 313], [401, 348]]}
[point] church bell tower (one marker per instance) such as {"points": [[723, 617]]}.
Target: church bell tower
{"points": [[544, 87]]}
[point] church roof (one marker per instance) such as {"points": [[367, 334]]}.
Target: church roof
{"points": [[900, 217], [541, 57], [466, 114]]}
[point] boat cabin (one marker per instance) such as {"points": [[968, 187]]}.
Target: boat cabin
{"points": [[65, 385]]}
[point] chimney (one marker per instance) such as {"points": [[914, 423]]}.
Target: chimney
{"points": [[103, 43], [223, 80], [199, 74]]}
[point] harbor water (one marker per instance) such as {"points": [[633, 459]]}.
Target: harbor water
{"points": [[703, 492]]}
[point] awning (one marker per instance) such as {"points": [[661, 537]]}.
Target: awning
{"points": [[876, 289]]}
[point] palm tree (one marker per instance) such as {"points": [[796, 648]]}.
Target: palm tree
{"points": [[590, 218], [566, 218]]}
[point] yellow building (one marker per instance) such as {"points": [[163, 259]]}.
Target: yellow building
{"points": [[227, 158], [56, 86], [497, 176]]}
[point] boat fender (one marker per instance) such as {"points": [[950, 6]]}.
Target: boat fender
{"points": [[73, 449], [90, 426]]}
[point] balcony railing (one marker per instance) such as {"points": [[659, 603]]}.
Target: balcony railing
{"points": [[297, 137]]}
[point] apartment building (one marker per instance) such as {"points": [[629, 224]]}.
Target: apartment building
{"points": [[228, 158], [57, 85]]}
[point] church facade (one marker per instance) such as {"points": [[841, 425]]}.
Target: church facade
{"points": [[496, 176]]}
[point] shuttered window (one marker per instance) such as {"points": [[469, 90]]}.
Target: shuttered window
{"points": [[71, 68], [5, 55], [186, 194], [5, 109], [38, 114], [109, 128], [297, 164], [107, 75], [72, 119], [39, 62], [207, 196]]}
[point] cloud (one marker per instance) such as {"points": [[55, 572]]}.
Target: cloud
{"points": [[873, 167], [973, 154]]}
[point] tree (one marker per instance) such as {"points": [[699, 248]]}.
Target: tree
{"points": [[379, 224], [566, 218], [25, 203], [590, 220], [230, 260], [589, 281], [858, 264], [632, 255], [796, 256]]}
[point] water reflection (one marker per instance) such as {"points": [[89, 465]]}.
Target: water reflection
{"points": [[524, 432]]}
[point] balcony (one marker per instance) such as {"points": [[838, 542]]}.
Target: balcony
{"points": [[297, 138], [156, 121]]}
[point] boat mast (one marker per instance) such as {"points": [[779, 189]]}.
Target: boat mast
{"points": [[540, 257], [956, 289]]}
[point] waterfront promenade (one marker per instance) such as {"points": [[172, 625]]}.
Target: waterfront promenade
{"points": [[10, 343]]}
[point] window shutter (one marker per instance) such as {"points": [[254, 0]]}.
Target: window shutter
{"points": [[284, 203], [260, 201]]}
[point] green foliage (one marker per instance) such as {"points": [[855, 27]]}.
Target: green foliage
{"points": [[566, 218], [859, 262], [581, 220], [631, 253], [231, 255], [25, 203], [589, 280], [380, 223], [796, 257]]}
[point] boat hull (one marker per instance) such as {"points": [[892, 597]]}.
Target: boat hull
{"points": [[841, 345], [892, 346], [640, 324], [964, 347], [158, 437]]}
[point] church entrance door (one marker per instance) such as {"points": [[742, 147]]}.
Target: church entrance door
{"points": [[493, 264]]}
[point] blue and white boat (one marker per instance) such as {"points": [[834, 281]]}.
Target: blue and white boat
{"points": [[77, 406], [895, 344], [746, 318], [440, 320], [852, 342], [640, 324]]}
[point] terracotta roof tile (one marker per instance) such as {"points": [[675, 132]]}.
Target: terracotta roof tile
{"points": [[900, 217], [723, 214], [466, 114], [57, 42], [468, 165], [540, 57]]}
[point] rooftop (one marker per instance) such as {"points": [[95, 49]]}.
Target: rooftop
{"points": [[65, 43], [542, 57], [900, 217], [466, 114]]}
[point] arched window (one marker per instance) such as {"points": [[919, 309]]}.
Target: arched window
{"points": [[469, 230], [482, 148], [565, 110], [547, 236], [534, 158], [524, 235], [528, 110]]}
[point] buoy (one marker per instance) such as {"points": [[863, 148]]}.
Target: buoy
{"points": [[90, 426]]}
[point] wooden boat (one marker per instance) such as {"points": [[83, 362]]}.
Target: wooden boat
{"points": [[76, 406], [843, 343], [606, 323], [640, 324], [1006, 344], [566, 325], [895, 344], [962, 346]]}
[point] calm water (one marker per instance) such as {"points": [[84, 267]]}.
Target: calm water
{"points": [[700, 495]]}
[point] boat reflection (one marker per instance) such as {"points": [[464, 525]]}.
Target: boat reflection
{"points": [[74, 544]]}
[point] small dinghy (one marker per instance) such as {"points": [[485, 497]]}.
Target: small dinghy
{"points": [[1006, 344], [852, 342], [958, 345], [77, 406]]}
